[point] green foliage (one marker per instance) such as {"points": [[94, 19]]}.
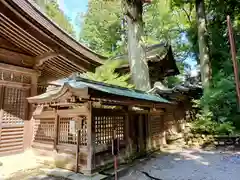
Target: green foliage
{"points": [[51, 8], [103, 31], [225, 128], [104, 27], [101, 28], [172, 81], [221, 97], [206, 124], [106, 73], [167, 24]]}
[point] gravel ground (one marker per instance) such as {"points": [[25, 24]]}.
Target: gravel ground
{"points": [[189, 165], [172, 165]]}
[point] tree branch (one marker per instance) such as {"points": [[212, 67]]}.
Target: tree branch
{"points": [[187, 14]]}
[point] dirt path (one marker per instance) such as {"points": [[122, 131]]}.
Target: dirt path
{"points": [[189, 165], [172, 165], [20, 166]]}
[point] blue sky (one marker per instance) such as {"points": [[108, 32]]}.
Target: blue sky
{"points": [[74, 8]]}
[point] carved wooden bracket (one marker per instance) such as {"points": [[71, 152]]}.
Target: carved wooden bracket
{"points": [[39, 60]]}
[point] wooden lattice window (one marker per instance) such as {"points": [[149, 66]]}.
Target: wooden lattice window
{"points": [[68, 128], [44, 129], [156, 123], [15, 105], [104, 126]]}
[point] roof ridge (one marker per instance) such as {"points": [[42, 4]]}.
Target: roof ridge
{"points": [[107, 85]]}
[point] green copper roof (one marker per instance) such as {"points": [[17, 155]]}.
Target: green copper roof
{"points": [[80, 83], [116, 90]]}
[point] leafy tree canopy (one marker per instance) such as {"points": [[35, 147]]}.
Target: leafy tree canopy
{"points": [[51, 8], [106, 74]]}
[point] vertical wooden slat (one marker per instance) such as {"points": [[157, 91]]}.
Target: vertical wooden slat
{"points": [[90, 139], [77, 150], [2, 88], [149, 133], [1, 116], [56, 127], [163, 132], [140, 130], [29, 122], [126, 132]]}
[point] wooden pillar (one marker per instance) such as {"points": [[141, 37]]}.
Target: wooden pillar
{"points": [[1, 117], [163, 131], [2, 88], [149, 133], [56, 127], [140, 130], [29, 123], [90, 140], [127, 136]]}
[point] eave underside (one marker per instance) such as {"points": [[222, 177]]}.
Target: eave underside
{"points": [[28, 45]]}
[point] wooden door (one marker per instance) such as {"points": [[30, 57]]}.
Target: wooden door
{"points": [[14, 108], [138, 132]]}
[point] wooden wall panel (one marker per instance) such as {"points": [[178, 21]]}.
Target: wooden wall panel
{"points": [[13, 113], [156, 128], [11, 139]]}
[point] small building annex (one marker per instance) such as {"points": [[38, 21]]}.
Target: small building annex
{"points": [[95, 109]]}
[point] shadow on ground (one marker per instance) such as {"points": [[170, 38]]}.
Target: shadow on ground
{"points": [[188, 164]]}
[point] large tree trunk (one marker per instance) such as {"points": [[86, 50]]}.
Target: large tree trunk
{"points": [[136, 48], [203, 44]]}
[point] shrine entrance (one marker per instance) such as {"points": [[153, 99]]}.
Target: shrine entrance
{"points": [[138, 132]]}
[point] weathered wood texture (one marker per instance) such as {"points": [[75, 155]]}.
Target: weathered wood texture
{"points": [[11, 139], [56, 130], [139, 130], [155, 131], [28, 39], [14, 110], [16, 84], [105, 120]]}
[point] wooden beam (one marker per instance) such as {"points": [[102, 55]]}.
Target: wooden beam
{"points": [[39, 60], [74, 64], [13, 55], [18, 69]]}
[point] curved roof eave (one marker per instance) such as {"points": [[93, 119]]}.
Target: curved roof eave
{"points": [[29, 9]]}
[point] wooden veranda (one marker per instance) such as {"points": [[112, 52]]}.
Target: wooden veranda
{"points": [[96, 109]]}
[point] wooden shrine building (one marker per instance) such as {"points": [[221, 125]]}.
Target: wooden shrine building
{"points": [[161, 62], [95, 109], [33, 50]]}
